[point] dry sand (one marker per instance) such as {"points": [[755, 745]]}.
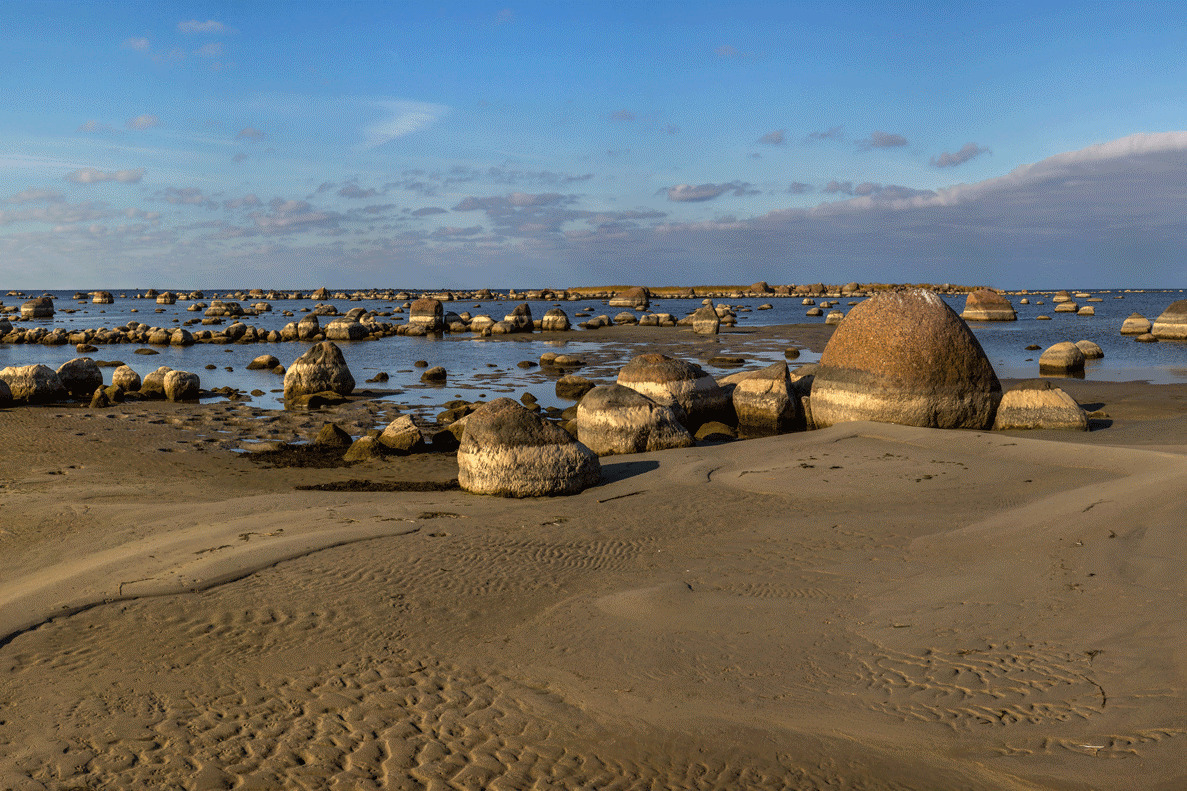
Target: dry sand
{"points": [[864, 607]]}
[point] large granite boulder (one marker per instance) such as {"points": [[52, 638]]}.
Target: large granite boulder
{"points": [[402, 436], [33, 384], [1136, 324], [346, 329], [1039, 404], [428, 314], [676, 383], [319, 369], [555, 320], [520, 318], [39, 308], [182, 386], [907, 358], [80, 377], [509, 451], [1172, 324], [1062, 358], [631, 298], [102, 298], [181, 337], [308, 328], [987, 305], [705, 321], [616, 419], [166, 298], [125, 378], [766, 402]]}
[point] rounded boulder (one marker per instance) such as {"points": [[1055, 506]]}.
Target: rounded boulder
{"points": [[907, 358], [987, 305], [320, 369], [672, 382], [616, 419], [507, 450]]}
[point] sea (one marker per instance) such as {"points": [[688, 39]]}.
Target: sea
{"points": [[483, 368]]}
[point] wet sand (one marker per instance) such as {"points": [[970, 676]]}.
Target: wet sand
{"points": [[868, 606]]}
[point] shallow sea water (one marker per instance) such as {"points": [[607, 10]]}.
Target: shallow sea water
{"points": [[486, 368]]}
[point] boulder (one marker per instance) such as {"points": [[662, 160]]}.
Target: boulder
{"points": [[616, 419], [5, 394], [555, 320], [672, 382], [766, 403], [904, 357], [509, 451], [181, 337], [365, 448], [33, 384], [39, 308], [320, 369], [125, 378], [987, 305], [1171, 325], [1062, 358], [403, 436], [265, 362], [308, 328], [573, 387], [435, 375], [1092, 351], [428, 314], [102, 298], [346, 329], [1136, 324], [182, 386], [1038, 404], [631, 298], [834, 317], [520, 318], [100, 399], [331, 435], [153, 385], [705, 321], [166, 298], [80, 376]]}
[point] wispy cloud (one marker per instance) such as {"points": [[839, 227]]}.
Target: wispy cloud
{"points": [[622, 115], [832, 133], [689, 193], [879, 139], [32, 195], [400, 117], [775, 138], [143, 122], [192, 26], [94, 126], [251, 133], [96, 176], [966, 152], [139, 43]]}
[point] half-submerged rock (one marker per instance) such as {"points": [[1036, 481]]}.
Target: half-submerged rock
{"points": [[705, 321], [1172, 324], [1062, 358], [320, 369], [616, 419], [987, 305], [427, 313], [669, 381], [1136, 324], [1039, 404], [509, 451], [907, 358]]}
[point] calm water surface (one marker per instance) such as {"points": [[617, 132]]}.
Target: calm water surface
{"points": [[487, 368]]}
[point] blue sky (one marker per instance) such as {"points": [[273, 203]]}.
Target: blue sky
{"points": [[568, 143]]}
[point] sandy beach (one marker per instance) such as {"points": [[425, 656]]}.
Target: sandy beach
{"points": [[867, 606]]}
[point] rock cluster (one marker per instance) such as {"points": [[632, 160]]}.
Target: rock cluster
{"points": [[678, 384]]}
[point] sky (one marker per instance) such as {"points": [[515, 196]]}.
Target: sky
{"points": [[563, 143]]}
